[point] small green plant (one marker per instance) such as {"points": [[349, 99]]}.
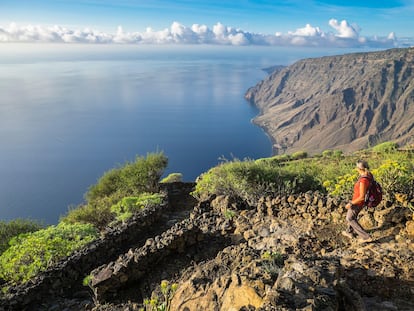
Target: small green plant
{"points": [[229, 214], [87, 280], [276, 257], [128, 206], [31, 253], [173, 177], [161, 302], [272, 262]]}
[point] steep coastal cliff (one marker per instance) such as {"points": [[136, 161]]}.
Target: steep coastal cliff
{"points": [[346, 102]]}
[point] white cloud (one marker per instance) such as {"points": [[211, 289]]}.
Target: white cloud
{"points": [[344, 29], [308, 30], [343, 35]]}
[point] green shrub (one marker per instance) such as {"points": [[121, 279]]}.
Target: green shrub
{"points": [[308, 174], [250, 180], [385, 147], [14, 228], [327, 153], [173, 177], [395, 177], [299, 155], [275, 160], [283, 157], [32, 253], [133, 178], [332, 153], [341, 186], [128, 206], [98, 213], [107, 185]]}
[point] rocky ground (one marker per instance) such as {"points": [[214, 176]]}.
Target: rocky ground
{"points": [[290, 255], [287, 253]]}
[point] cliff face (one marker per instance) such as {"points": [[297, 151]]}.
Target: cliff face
{"points": [[343, 102]]}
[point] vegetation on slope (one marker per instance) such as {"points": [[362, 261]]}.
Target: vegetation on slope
{"points": [[27, 249], [15, 227], [32, 253], [331, 173], [126, 190], [132, 180]]}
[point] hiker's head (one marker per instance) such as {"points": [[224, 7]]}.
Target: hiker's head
{"points": [[362, 165]]}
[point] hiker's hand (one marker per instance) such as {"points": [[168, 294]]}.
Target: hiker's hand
{"points": [[348, 205]]}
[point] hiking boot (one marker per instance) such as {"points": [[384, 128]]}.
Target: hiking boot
{"points": [[347, 234]]}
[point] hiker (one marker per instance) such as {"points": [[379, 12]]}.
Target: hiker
{"points": [[358, 202]]}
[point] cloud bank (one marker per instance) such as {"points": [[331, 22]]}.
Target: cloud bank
{"points": [[342, 34]]}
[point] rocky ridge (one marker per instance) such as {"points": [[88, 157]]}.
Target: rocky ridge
{"points": [[346, 102], [286, 253]]}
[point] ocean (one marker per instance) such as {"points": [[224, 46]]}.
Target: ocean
{"points": [[68, 113]]}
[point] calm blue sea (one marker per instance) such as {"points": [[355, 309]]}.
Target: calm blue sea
{"points": [[68, 113]]}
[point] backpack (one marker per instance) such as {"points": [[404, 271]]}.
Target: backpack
{"points": [[374, 193]]}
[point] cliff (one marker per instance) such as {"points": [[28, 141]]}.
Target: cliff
{"points": [[346, 102], [285, 253]]}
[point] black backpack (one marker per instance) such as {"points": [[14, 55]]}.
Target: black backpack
{"points": [[373, 196]]}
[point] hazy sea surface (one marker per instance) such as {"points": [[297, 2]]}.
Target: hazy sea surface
{"points": [[68, 113]]}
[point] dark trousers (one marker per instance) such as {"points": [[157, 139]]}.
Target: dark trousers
{"points": [[353, 224]]}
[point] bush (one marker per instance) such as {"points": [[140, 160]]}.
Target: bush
{"points": [[385, 147], [327, 153], [332, 153], [250, 180], [14, 228], [173, 177], [299, 155], [32, 253], [395, 177], [128, 206], [342, 186], [97, 213], [133, 178], [275, 160]]}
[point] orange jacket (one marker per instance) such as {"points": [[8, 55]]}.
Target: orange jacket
{"points": [[358, 198]]}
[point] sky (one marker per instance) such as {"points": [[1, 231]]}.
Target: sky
{"points": [[321, 23]]}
